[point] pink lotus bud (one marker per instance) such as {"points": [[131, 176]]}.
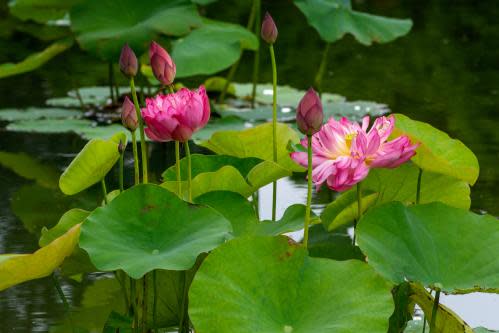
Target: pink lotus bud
{"points": [[309, 114], [269, 29], [129, 115], [163, 67], [128, 61]]}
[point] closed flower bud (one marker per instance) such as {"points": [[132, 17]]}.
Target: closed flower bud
{"points": [[129, 115], [309, 114], [162, 65], [269, 29], [121, 147], [128, 61]]}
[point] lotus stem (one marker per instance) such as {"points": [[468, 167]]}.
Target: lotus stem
{"points": [[177, 167], [254, 199], [142, 135], [424, 323], [110, 82], [104, 190], [322, 69], [359, 212], [228, 80], [189, 170], [133, 299], [121, 171], [64, 300], [144, 303], [274, 126], [184, 320], [418, 190], [434, 311], [135, 159], [309, 191], [155, 301], [256, 60]]}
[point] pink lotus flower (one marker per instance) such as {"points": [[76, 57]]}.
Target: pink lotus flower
{"points": [[344, 151], [176, 116]]}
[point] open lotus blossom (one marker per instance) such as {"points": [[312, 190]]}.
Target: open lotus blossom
{"points": [[344, 151], [176, 116]]}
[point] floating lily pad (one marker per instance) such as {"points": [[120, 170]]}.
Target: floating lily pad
{"points": [[217, 125], [103, 27], [438, 152], [35, 60], [401, 186], [264, 284], [335, 18], [35, 113], [91, 165], [222, 172], [211, 48], [90, 96], [413, 244], [256, 142], [147, 228], [30, 168], [18, 268]]}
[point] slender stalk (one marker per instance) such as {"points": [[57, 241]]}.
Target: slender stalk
{"points": [[177, 167], [141, 128], [184, 320], [64, 300], [116, 90], [359, 212], [434, 312], [424, 323], [256, 59], [79, 98], [274, 126], [309, 191], [133, 299], [418, 190], [145, 297], [189, 169], [228, 80], [254, 199], [155, 301], [121, 171], [322, 69], [121, 281], [104, 190], [135, 159], [110, 82]]}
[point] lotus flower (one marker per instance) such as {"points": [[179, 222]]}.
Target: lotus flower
{"points": [[162, 65], [176, 116], [344, 151]]}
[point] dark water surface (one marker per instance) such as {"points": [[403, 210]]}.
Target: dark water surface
{"points": [[444, 72]]}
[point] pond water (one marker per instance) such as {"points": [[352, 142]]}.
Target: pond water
{"points": [[445, 72]]}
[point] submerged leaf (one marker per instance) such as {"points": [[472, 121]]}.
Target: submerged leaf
{"points": [[30, 168]]}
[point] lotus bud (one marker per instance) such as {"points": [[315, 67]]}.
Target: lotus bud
{"points": [[269, 29], [128, 61], [129, 115], [309, 114], [162, 65]]}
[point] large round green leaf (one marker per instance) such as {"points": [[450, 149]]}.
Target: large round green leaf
{"points": [[335, 18], [263, 284], [211, 48], [91, 165], [40, 11], [256, 142], [147, 228], [438, 152], [432, 244], [102, 27], [400, 184]]}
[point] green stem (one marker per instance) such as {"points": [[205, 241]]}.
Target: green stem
{"points": [[228, 80], [418, 190], [116, 90], [184, 321], [122, 155], [189, 169], [110, 82], [141, 128], [274, 126], [133, 300], [144, 303], [121, 281], [359, 212], [135, 159], [155, 301], [254, 199], [256, 60], [424, 323], [322, 69], [104, 190], [434, 312], [177, 167], [64, 300], [309, 191]]}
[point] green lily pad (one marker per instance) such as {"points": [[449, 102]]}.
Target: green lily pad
{"points": [[71, 218], [147, 228], [222, 172], [211, 48], [217, 125], [91, 96], [413, 244], [337, 246], [401, 186], [256, 142], [335, 18], [35, 113], [30, 168], [91, 165], [438, 152], [483, 330], [35, 60], [18, 268], [102, 27], [264, 284], [40, 11]]}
